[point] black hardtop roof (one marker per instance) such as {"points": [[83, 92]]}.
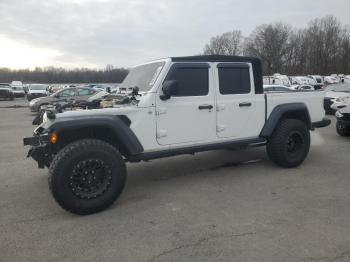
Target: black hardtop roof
{"points": [[215, 58]]}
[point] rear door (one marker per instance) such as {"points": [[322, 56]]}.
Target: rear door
{"points": [[188, 116], [84, 93], [237, 115]]}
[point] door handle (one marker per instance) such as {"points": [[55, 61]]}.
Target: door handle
{"points": [[201, 107], [245, 104]]}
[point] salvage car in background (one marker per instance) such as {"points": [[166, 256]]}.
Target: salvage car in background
{"points": [[343, 121], [277, 88], [332, 93], [340, 102], [6, 91], [67, 94], [319, 81], [17, 88], [37, 90]]}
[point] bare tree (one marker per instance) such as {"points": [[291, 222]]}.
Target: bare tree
{"points": [[271, 43], [229, 43]]}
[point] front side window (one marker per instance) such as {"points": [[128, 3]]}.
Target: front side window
{"points": [[67, 92], [191, 81], [234, 80]]}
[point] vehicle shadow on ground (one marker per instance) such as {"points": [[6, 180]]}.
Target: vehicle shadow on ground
{"points": [[190, 167]]}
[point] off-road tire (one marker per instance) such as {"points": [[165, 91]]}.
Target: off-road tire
{"points": [[341, 130], [280, 145], [63, 169]]}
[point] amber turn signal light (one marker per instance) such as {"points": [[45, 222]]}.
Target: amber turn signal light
{"points": [[53, 138]]}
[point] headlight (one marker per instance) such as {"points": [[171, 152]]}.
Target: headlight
{"points": [[45, 118], [338, 114], [343, 99], [32, 102]]}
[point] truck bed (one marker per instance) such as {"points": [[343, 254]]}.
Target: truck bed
{"points": [[313, 100]]}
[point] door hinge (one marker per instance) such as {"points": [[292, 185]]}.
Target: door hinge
{"points": [[160, 111], [220, 128], [162, 133]]}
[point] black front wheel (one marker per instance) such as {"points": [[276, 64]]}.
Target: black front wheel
{"points": [[289, 144], [342, 130], [87, 176]]}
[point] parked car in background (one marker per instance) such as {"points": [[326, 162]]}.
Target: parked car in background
{"points": [[17, 88], [319, 81], [277, 88], [343, 121], [347, 79], [328, 80], [305, 87], [283, 78], [6, 91], [299, 80], [333, 92], [270, 80], [37, 90], [73, 93], [340, 102]]}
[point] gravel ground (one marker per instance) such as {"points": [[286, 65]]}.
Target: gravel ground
{"points": [[214, 206]]}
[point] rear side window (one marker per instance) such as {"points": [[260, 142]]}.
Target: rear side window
{"points": [[191, 81], [234, 80], [85, 92]]}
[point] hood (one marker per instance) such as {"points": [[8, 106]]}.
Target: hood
{"points": [[345, 110], [6, 88], [332, 94], [37, 92], [122, 110]]}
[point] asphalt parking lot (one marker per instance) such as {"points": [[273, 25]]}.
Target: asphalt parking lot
{"points": [[214, 206]]}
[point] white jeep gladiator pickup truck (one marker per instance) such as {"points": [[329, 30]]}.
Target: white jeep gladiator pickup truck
{"points": [[180, 105]]}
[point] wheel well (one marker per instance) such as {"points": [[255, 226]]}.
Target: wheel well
{"points": [[301, 115], [103, 133]]}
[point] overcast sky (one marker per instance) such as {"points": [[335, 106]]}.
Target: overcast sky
{"points": [[87, 33]]}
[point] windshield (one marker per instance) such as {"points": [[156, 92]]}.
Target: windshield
{"points": [[143, 76], [339, 88], [37, 87]]}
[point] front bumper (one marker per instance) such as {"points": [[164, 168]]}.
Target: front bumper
{"points": [[323, 123], [40, 150], [35, 95], [19, 94]]}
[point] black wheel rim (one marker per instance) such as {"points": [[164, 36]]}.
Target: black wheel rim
{"points": [[295, 143], [90, 178]]}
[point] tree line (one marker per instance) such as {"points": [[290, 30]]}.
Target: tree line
{"points": [[53, 75], [323, 47]]}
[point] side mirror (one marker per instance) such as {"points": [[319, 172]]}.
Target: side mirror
{"points": [[169, 88]]}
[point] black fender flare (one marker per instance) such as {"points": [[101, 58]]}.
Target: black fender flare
{"points": [[119, 125], [290, 110]]}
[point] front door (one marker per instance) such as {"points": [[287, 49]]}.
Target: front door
{"points": [[189, 115]]}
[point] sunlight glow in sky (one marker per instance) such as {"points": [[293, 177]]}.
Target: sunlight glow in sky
{"points": [[17, 55]]}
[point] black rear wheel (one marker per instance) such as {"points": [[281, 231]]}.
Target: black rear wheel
{"points": [[87, 176], [289, 144]]}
